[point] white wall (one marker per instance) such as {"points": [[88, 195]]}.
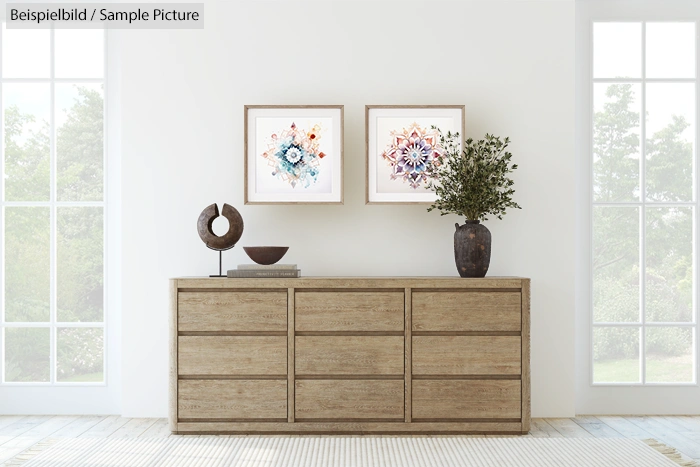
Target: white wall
{"points": [[510, 63]]}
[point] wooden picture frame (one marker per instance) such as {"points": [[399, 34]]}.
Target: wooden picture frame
{"points": [[387, 128], [293, 154]]}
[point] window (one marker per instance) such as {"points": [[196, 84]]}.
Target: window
{"points": [[644, 203], [52, 311]]}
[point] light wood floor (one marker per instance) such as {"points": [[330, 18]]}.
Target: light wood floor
{"points": [[18, 433]]}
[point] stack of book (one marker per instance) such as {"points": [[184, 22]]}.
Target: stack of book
{"points": [[261, 270]]}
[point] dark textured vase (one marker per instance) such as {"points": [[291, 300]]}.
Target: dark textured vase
{"points": [[472, 249]]}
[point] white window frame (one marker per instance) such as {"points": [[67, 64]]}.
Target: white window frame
{"points": [[642, 204], [623, 398], [76, 397]]}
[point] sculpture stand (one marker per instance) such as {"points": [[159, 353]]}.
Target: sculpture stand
{"points": [[220, 275], [221, 272]]}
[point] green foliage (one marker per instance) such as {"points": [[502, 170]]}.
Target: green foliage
{"points": [[27, 149], [80, 353], [616, 147], [473, 181], [79, 148]]}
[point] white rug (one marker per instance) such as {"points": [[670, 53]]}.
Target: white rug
{"points": [[366, 451]]}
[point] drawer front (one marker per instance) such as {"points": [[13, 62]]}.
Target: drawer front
{"points": [[451, 399], [232, 355], [241, 399], [232, 311], [466, 355], [349, 399], [466, 311], [349, 355], [349, 311]]}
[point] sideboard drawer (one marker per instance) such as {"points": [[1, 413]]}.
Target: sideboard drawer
{"points": [[466, 311], [241, 399], [349, 311], [466, 355], [349, 355], [452, 399], [232, 355], [349, 399], [232, 311]]}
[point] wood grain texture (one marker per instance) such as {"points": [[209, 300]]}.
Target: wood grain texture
{"points": [[466, 311], [173, 357], [349, 311], [478, 355], [232, 311], [466, 399], [290, 354], [232, 399], [421, 428], [347, 355], [351, 283], [339, 355], [525, 372], [349, 399], [408, 352], [232, 355]]}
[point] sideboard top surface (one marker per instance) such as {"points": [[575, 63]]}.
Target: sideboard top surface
{"points": [[351, 282]]}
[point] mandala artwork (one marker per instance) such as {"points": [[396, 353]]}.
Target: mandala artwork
{"points": [[412, 152], [294, 155]]}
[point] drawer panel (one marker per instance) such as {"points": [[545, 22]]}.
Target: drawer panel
{"points": [[240, 399], [349, 399], [466, 311], [466, 355], [232, 311], [232, 355], [451, 399], [349, 311], [349, 355]]}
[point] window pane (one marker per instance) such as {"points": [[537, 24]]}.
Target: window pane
{"points": [[616, 136], [79, 246], [617, 50], [616, 355], [79, 53], [26, 53], [670, 140], [27, 355], [79, 142], [669, 265], [27, 262], [669, 355], [615, 264], [80, 355], [26, 141], [670, 50]]}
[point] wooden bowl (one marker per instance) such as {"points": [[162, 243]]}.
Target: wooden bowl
{"points": [[265, 254]]}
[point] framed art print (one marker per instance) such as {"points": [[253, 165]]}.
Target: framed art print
{"points": [[293, 154], [401, 145]]}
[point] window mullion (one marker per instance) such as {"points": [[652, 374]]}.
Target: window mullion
{"points": [[696, 232], [2, 224], [643, 212], [53, 216]]}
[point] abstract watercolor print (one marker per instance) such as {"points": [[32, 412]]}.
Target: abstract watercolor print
{"points": [[294, 156], [402, 147], [411, 153]]}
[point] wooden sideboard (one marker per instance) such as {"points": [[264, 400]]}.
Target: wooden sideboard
{"points": [[350, 355]]}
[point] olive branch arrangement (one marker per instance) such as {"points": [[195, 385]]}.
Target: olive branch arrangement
{"points": [[473, 181]]}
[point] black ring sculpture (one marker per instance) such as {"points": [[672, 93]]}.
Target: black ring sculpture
{"points": [[226, 241]]}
